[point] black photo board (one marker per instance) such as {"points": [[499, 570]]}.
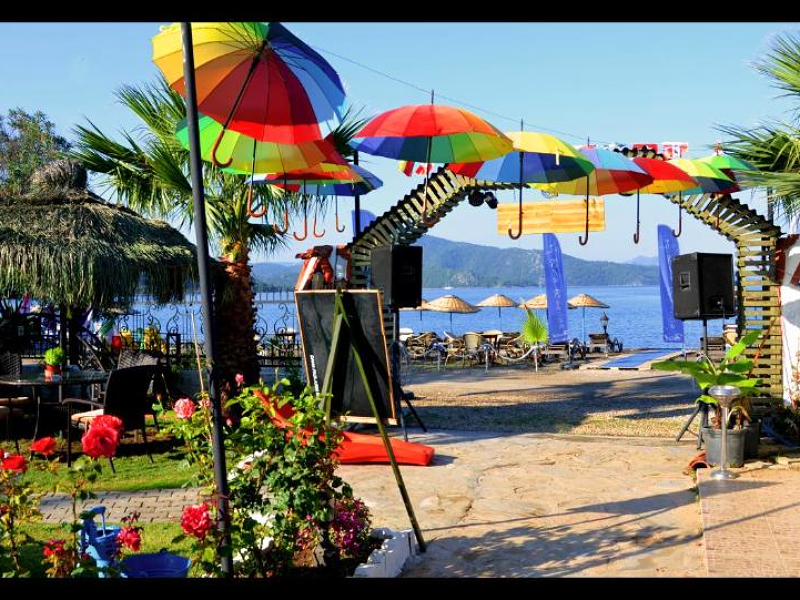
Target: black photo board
{"points": [[315, 310]]}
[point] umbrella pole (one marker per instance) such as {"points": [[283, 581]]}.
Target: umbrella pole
{"points": [[201, 238]]}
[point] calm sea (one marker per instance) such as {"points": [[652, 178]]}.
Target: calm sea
{"points": [[634, 314]]}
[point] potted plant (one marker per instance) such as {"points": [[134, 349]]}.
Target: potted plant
{"points": [[734, 369], [54, 358]]}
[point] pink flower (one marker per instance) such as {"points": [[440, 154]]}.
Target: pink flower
{"points": [[239, 378], [196, 520], [184, 408], [100, 440]]}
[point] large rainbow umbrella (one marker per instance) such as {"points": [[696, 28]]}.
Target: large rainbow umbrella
{"points": [[244, 154], [729, 165], [536, 157], [710, 181], [613, 174], [667, 179], [255, 78]]}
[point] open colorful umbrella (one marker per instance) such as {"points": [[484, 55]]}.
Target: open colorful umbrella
{"points": [[431, 133], [710, 181], [255, 78], [667, 179], [728, 164], [613, 174], [244, 154], [535, 158]]}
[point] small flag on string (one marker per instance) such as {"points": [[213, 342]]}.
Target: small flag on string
{"points": [[409, 167]]}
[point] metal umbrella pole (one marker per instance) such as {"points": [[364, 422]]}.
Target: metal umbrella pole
{"points": [[201, 240]]}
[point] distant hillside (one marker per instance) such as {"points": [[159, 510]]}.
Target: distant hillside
{"points": [[644, 260], [462, 264]]}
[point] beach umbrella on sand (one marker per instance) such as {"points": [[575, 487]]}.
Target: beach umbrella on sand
{"points": [[420, 308], [540, 303], [498, 300], [451, 304], [584, 300]]}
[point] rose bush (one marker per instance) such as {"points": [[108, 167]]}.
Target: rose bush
{"points": [[184, 408]]}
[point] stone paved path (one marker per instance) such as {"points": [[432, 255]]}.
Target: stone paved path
{"points": [[752, 524], [522, 505], [154, 505]]}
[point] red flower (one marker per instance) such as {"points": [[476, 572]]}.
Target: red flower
{"points": [[108, 421], [129, 536], [184, 408], [196, 520], [54, 548], [46, 446], [100, 440], [14, 462]]}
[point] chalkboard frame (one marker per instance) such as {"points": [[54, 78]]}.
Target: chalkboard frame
{"points": [[347, 378]]}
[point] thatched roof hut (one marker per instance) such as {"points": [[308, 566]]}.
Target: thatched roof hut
{"points": [[66, 245]]}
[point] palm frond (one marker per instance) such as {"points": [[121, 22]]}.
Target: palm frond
{"points": [[534, 330], [782, 64]]}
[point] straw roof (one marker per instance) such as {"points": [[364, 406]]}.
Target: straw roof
{"points": [[540, 302], [63, 244], [497, 300], [451, 304], [587, 301]]}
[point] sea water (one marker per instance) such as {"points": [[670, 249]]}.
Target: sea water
{"points": [[634, 315]]}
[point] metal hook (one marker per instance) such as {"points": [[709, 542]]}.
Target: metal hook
{"points": [[305, 225], [581, 240], [250, 212], [519, 233], [636, 235], [314, 229], [214, 151], [680, 216], [336, 201], [285, 224]]}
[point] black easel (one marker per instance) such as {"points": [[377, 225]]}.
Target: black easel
{"points": [[348, 335], [702, 407]]}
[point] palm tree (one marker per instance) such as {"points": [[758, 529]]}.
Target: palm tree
{"points": [[150, 173], [534, 332], [774, 147]]}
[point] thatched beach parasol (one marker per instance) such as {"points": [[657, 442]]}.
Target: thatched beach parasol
{"points": [[423, 306], [584, 301], [540, 302], [451, 304], [63, 244]]}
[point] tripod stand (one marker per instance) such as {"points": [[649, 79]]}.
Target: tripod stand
{"points": [[702, 407]]}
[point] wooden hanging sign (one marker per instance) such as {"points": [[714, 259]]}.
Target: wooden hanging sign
{"points": [[554, 216]]}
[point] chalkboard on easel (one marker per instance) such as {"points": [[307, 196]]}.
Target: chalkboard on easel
{"points": [[315, 310]]}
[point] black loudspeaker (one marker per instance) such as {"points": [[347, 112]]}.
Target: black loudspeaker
{"points": [[397, 273], [702, 286]]}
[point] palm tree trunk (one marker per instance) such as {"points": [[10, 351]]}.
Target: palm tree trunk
{"points": [[235, 318]]}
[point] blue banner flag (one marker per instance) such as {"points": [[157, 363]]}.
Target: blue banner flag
{"points": [[366, 218], [667, 250], [556, 287]]}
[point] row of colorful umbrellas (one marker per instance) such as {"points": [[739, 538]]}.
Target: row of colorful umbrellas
{"points": [[264, 95]]}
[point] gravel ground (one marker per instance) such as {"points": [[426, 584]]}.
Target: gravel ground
{"points": [[581, 402]]}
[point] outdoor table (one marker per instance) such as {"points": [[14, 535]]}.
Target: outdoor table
{"points": [[35, 381]]}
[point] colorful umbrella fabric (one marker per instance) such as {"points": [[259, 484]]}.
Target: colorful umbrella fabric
{"points": [[710, 179], [613, 173], [238, 151], [255, 78], [726, 161], [315, 176], [545, 158], [432, 133], [667, 178], [368, 183]]}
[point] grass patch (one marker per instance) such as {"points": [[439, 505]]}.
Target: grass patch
{"points": [[155, 536]]}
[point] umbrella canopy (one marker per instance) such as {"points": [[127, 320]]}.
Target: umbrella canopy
{"points": [[318, 175], [432, 133], [451, 304], [726, 161], [63, 244], [545, 158], [710, 179], [667, 178], [423, 306], [583, 301], [613, 173], [255, 78], [540, 302], [498, 300], [586, 301], [369, 182], [245, 154]]}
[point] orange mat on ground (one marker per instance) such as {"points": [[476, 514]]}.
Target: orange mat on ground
{"points": [[360, 448]]}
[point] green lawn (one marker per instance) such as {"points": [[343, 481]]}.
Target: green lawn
{"points": [[155, 536]]}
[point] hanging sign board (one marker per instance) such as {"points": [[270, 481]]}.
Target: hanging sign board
{"points": [[556, 216], [315, 310]]}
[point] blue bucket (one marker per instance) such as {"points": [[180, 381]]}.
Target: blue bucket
{"points": [[159, 564]]}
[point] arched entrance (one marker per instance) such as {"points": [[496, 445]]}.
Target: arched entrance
{"points": [[756, 238]]}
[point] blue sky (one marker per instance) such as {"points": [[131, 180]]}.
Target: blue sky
{"points": [[610, 82]]}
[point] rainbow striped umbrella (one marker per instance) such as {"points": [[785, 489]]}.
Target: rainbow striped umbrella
{"points": [[613, 173], [710, 179]]}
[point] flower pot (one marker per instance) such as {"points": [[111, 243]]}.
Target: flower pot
{"points": [[752, 439], [156, 565], [736, 443], [50, 371]]}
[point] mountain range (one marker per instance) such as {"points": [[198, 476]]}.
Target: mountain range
{"points": [[449, 263]]}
